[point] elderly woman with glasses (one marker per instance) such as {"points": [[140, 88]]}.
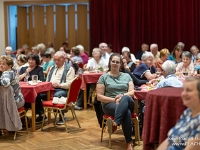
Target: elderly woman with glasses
{"points": [[186, 133], [146, 70], [186, 65], [115, 89], [97, 60]]}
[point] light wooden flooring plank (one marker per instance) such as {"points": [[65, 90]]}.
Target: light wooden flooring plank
{"points": [[86, 137]]}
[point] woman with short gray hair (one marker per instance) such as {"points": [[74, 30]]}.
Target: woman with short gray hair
{"points": [[169, 69], [146, 70], [186, 65]]}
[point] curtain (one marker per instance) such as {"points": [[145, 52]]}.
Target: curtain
{"points": [[133, 22]]}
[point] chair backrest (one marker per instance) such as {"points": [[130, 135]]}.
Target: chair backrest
{"points": [[74, 90], [80, 65]]}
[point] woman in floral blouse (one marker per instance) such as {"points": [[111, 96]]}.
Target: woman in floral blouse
{"points": [[9, 77], [186, 133]]}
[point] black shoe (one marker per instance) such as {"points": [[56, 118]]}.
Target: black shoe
{"points": [[40, 118], [60, 122]]}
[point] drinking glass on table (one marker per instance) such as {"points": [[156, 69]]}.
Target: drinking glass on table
{"points": [[35, 78], [26, 77], [90, 69]]}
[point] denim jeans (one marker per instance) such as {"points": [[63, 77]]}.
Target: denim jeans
{"points": [[122, 114], [60, 93]]}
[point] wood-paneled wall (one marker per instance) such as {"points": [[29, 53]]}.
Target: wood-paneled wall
{"points": [[55, 23]]}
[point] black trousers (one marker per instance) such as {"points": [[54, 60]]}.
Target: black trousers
{"points": [[98, 110]]}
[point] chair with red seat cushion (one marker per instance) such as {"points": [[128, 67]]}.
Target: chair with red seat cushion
{"points": [[135, 120], [80, 65], [70, 103], [22, 113]]}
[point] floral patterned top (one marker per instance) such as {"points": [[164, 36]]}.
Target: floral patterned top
{"points": [[9, 78], [187, 128]]}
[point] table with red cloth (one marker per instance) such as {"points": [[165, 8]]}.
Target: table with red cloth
{"points": [[30, 93], [163, 109], [88, 78]]}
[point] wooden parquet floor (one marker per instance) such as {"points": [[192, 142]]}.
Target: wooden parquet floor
{"points": [[86, 137]]}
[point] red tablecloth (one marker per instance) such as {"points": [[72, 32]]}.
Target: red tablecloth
{"points": [[89, 78], [30, 91], [141, 95], [163, 109]]}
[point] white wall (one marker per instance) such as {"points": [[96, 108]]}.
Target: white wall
{"points": [[2, 35], [2, 28]]}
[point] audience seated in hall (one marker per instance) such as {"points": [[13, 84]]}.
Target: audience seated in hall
{"points": [[105, 55], [26, 49], [176, 54], [75, 55], [83, 55], [93, 64], [131, 65], [109, 49], [126, 49], [51, 50], [35, 50], [168, 71], [29, 71], [164, 53], [181, 44], [146, 70], [155, 52], [144, 48], [21, 62], [195, 51], [48, 62], [186, 65]]}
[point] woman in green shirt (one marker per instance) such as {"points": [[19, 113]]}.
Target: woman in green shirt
{"points": [[114, 90]]}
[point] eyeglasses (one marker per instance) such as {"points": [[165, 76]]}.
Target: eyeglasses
{"points": [[115, 62]]}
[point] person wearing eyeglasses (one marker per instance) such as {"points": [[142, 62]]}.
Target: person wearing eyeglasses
{"points": [[115, 89], [146, 70]]}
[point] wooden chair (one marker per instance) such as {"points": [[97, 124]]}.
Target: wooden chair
{"points": [[134, 119], [70, 103], [22, 113]]}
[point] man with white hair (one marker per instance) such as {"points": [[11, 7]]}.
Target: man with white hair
{"points": [[169, 69], [83, 55], [155, 52], [61, 76], [105, 55], [126, 49]]}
